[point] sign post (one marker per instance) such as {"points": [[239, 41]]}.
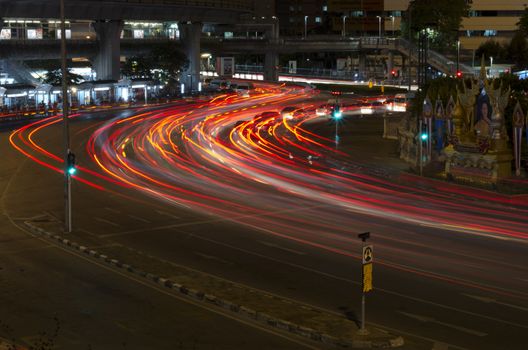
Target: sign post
{"points": [[367, 258]]}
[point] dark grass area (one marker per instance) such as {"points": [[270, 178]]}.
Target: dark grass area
{"points": [[366, 150]]}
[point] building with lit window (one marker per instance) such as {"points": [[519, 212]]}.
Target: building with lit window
{"points": [[488, 19]]}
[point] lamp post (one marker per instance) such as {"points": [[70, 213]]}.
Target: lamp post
{"points": [[379, 26], [343, 32], [491, 67], [458, 57], [392, 25], [190, 83], [66, 133], [305, 26]]}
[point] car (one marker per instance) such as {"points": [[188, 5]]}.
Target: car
{"points": [[244, 88], [323, 110], [292, 112], [265, 120]]}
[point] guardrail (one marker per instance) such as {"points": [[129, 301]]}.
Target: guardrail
{"points": [[224, 4]]}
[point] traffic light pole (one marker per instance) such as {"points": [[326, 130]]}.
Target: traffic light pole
{"points": [[421, 147], [66, 133]]}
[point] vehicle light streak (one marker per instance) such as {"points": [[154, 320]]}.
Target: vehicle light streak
{"points": [[273, 174]]}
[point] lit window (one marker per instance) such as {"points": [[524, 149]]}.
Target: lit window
{"points": [[325, 8], [490, 32], [317, 19]]}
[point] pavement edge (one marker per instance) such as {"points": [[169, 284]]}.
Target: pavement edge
{"points": [[241, 310]]}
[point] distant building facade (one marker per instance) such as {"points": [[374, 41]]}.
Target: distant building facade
{"points": [[488, 19]]}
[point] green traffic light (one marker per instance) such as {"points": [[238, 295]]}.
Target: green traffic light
{"points": [[72, 170], [424, 137]]}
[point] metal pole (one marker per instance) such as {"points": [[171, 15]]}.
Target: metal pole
{"points": [[362, 329], [305, 26], [421, 146], [336, 135], [410, 48], [145, 94], [66, 134], [458, 56]]}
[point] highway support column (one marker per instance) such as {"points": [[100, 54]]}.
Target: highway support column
{"points": [[390, 64], [107, 61], [190, 38], [271, 61]]}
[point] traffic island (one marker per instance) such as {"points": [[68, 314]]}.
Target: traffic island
{"points": [[274, 311]]}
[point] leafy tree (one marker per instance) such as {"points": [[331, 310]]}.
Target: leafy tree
{"points": [[138, 67], [163, 63], [523, 22], [54, 77], [492, 48], [443, 17], [518, 50]]}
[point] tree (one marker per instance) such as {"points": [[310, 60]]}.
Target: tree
{"points": [[518, 50], [138, 67], [523, 22], [164, 63], [492, 48], [442, 17], [54, 77]]}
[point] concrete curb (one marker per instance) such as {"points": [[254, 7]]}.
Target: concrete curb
{"points": [[243, 311]]}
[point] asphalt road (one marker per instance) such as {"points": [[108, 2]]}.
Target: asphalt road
{"points": [[442, 286], [52, 297]]}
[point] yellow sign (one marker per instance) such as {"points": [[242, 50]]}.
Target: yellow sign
{"points": [[370, 84], [367, 278], [382, 89]]}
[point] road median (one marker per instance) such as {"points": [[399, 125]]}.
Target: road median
{"points": [[249, 303]]}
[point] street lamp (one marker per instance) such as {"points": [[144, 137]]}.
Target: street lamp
{"points": [[344, 26], [379, 26], [66, 132], [491, 67], [305, 26], [458, 57], [191, 83], [392, 25]]}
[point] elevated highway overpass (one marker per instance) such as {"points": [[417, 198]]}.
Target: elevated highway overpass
{"points": [[270, 48], [211, 11], [108, 17]]}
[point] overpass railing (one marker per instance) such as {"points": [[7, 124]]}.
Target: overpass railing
{"points": [[223, 4]]}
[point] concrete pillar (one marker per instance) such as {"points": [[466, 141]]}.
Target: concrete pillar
{"points": [[390, 64], [107, 61], [272, 31], [190, 39], [362, 66], [271, 60]]}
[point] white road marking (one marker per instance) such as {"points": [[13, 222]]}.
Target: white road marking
{"points": [[106, 221], [113, 210], [167, 214], [211, 257], [163, 290], [138, 218], [273, 245], [427, 319], [488, 300]]}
